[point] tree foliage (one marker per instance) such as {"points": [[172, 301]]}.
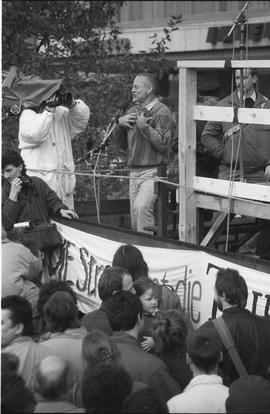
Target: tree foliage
{"points": [[66, 39]]}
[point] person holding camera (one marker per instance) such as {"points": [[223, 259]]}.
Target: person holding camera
{"points": [[27, 199], [45, 141], [146, 131]]}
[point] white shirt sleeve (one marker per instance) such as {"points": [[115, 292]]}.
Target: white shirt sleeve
{"points": [[34, 128]]}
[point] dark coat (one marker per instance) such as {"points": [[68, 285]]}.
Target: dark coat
{"points": [[144, 367], [255, 141], [251, 334], [26, 208], [177, 365], [97, 320]]}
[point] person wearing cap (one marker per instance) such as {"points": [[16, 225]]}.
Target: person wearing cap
{"points": [[250, 394]]}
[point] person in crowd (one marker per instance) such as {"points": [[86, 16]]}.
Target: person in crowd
{"points": [[51, 385], [146, 129], [250, 394], [15, 397], [112, 279], [146, 290], [125, 313], [63, 334], [105, 388], [145, 400], [99, 349], [9, 363], [45, 143], [130, 257], [205, 393], [46, 291], [250, 332], [20, 270], [221, 139], [170, 332], [27, 198], [16, 336]]}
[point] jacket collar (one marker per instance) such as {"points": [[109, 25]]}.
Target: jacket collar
{"points": [[122, 337], [204, 379], [234, 98]]}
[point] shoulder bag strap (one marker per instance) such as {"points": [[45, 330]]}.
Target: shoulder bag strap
{"points": [[228, 341]]}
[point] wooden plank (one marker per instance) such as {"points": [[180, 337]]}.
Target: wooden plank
{"points": [[201, 64], [243, 207], [213, 113], [187, 154], [238, 64], [213, 230], [249, 191], [254, 116]]}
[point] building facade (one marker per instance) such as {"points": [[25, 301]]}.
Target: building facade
{"points": [[201, 34]]}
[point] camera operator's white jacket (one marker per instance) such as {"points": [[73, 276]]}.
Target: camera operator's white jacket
{"points": [[45, 144]]}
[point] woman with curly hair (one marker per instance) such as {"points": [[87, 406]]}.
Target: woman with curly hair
{"points": [[170, 331]]}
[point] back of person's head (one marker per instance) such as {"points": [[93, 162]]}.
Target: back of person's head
{"points": [[232, 285], [204, 350], [145, 400], [130, 257], [15, 397], [60, 312], [20, 312], [123, 309], [99, 349], [9, 363], [105, 388], [11, 157], [170, 331], [111, 280], [50, 378], [48, 288], [250, 394]]}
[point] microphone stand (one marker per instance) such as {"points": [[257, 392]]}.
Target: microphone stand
{"points": [[102, 145], [241, 20]]}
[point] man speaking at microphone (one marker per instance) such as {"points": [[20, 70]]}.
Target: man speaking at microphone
{"points": [[146, 131]]}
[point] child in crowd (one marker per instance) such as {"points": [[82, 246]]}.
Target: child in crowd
{"points": [[146, 290]]}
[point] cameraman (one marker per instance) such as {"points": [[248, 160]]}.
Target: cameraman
{"points": [[45, 141], [25, 198]]}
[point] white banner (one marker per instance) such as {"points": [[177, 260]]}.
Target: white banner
{"points": [[189, 272]]}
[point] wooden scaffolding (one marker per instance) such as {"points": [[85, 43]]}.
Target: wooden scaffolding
{"points": [[222, 196]]}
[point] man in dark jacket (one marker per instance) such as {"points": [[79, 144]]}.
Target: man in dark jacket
{"points": [[221, 138], [251, 333], [27, 198], [125, 314]]}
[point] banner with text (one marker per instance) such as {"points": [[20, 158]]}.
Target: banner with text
{"points": [[191, 273]]}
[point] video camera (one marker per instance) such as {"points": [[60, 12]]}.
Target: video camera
{"points": [[60, 97], [20, 91]]}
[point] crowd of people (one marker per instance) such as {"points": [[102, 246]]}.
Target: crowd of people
{"points": [[137, 353]]}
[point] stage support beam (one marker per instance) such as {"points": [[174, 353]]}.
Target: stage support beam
{"points": [[187, 154]]}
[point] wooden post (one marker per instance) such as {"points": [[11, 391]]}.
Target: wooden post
{"points": [[187, 154], [162, 204]]}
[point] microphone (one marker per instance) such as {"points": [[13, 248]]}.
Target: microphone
{"points": [[121, 111]]}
